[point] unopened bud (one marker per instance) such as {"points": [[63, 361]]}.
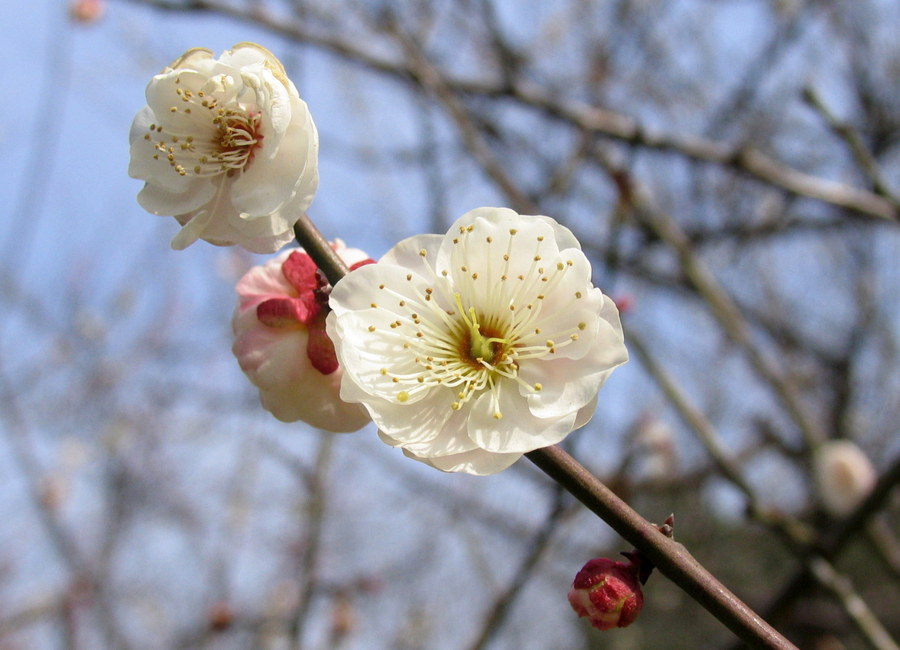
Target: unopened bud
{"points": [[221, 616], [86, 11], [844, 476], [608, 592], [624, 303]]}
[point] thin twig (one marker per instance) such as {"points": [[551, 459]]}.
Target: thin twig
{"points": [[472, 137], [833, 544], [864, 158], [721, 305], [590, 119], [799, 538], [315, 520], [866, 622], [504, 601]]}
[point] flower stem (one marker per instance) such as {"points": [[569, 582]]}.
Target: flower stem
{"points": [[669, 557], [318, 248]]}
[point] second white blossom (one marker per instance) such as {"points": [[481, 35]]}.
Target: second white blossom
{"points": [[227, 147]]}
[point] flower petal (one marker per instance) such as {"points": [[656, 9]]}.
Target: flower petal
{"points": [[518, 431], [471, 349], [227, 147], [267, 183], [296, 374], [319, 348], [476, 462]]}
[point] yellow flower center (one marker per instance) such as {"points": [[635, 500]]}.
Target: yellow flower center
{"points": [[192, 147]]}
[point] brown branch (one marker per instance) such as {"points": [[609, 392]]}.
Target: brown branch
{"points": [[864, 158], [671, 558], [797, 537]]}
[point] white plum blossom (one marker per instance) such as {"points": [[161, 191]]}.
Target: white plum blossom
{"points": [[844, 476], [281, 344], [471, 349], [227, 147]]}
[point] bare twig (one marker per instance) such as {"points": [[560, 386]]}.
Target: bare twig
{"points": [[669, 557], [864, 158], [504, 601], [590, 119], [799, 539], [315, 520], [866, 622], [720, 304]]}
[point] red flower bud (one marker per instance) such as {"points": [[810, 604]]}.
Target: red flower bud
{"points": [[608, 592]]}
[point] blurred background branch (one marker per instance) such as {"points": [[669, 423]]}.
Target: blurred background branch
{"points": [[731, 170]]}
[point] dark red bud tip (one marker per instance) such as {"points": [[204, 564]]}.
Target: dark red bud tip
{"points": [[319, 348], [368, 260], [221, 616], [608, 593], [285, 312], [300, 272]]}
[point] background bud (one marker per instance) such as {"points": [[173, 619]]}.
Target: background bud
{"points": [[844, 476], [86, 11]]}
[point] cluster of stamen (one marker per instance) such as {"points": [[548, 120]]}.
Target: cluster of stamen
{"points": [[475, 335], [230, 136]]}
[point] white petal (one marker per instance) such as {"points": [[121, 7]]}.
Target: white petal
{"points": [[423, 437], [518, 431], [585, 413], [376, 359], [477, 462], [246, 54], [192, 230], [419, 424], [407, 254], [143, 165], [164, 201], [275, 361], [268, 183], [477, 254], [358, 290], [320, 409], [273, 358]]}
